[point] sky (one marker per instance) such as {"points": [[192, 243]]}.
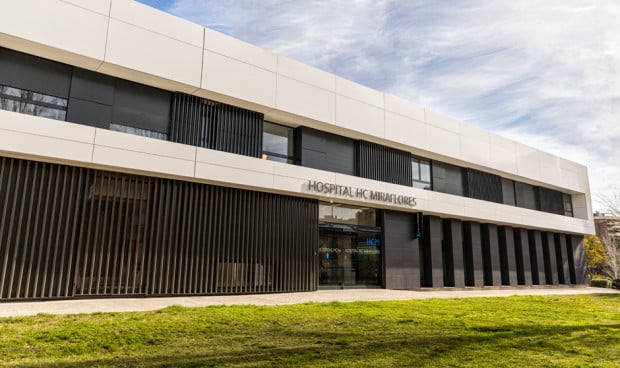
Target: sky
{"points": [[544, 73]]}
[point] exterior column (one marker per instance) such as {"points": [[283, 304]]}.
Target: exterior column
{"points": [[579, 256], [474, 267], [433, 257], [490, 244], [560, 249], [507, 255], [453, 241], [551, 266], [537, 257], [522, 252]]}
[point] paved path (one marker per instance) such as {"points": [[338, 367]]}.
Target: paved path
{"points": [[146, 304]]}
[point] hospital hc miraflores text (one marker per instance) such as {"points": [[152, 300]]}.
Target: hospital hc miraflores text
{"points": [[144, 155]]}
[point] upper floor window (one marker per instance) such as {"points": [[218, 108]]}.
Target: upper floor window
{"points": [[32, 103], [568, 204], [421, 173], [137, 131], [278, 143]]}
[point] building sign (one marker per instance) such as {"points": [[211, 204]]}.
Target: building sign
{"points": [[360, 193]]}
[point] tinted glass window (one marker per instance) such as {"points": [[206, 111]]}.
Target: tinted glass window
{"points": [[344, 214], [278, 143], [32, 103], [138, 131], [421, 173]]}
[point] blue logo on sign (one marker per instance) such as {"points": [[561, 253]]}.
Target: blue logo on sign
{"points": [[373, 242]]}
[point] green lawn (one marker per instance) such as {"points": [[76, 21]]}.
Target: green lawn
{"points": [[581, 330]]}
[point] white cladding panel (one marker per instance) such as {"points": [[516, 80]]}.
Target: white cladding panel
{"points": [[34, 137], [158, 49]]}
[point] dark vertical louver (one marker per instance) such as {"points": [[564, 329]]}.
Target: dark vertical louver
{"points": [[484, 186], [209, 124], [382, 163], [67, 231], [39, 211]]}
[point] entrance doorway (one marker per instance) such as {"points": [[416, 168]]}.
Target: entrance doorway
{"points": [[349, 247], [349, 260]]}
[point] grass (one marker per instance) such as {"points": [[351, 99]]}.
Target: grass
{"points": [[582, 330]]}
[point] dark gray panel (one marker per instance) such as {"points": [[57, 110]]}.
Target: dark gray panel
{"points": [[447, 178], [92, 86], [401, 251], [89, 113], [579, 257], [325, 151], [508, 256], [492, 267], [551, 201], [508, 191], [33, 73], [522, 251], [141, 106], [433, 260], [454, 258]]}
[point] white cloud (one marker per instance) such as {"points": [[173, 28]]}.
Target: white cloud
{"points": [[546, 73]]}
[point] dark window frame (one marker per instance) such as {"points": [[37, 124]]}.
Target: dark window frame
{"points": [[26, 97], [290, 158], [419, 183]]}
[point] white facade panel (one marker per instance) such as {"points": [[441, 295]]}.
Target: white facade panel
{"points": [[238, 79], [142, 50], [403, 107], [55, 29], [235, 49], [305, 73], [443, 142], [358, 116], [401, 129], [141, 161], [359, 92], [304, 99], [156, 21]]}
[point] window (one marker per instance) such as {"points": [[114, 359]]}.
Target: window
{"points": [[278, 143], [568, 204], [32, 103], [137, 131], [421, 173]]}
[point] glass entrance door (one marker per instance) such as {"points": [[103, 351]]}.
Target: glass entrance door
{"points": [[351, 259]]}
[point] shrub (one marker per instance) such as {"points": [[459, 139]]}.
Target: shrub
{"points": [[616, 284], [602, 283]]}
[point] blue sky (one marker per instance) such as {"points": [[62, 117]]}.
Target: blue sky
{"points": [[545, 73]]}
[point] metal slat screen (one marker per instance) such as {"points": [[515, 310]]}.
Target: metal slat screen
{"points": [[378, 162], [209, 124], [484, 186], [67, 231]]}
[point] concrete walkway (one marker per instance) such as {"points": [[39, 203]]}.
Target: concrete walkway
{"points": [[351, 295]]}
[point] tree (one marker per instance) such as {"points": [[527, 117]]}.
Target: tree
{"points": [[611, 237], [595, 254]]}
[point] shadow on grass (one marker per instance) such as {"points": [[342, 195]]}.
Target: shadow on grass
{"points": [[488, 343]]}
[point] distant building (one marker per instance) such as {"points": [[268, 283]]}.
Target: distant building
{"points": [[142, 155], [607, 226]]}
